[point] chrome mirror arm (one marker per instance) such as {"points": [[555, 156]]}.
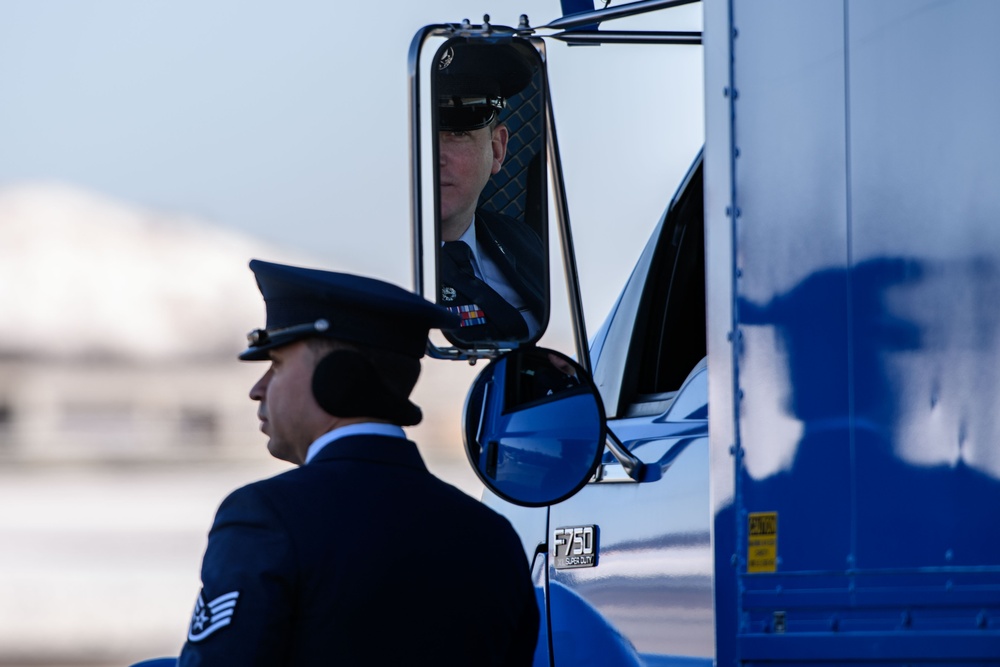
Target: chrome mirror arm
{"points": [[566, 236], [632, 466], [611, 13], [416, 198]]}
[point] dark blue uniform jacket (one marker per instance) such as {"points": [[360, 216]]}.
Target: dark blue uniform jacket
{"points": [[361, 557], [519, 253], [520, 256]]}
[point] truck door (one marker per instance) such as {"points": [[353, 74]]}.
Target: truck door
{"points": [[645, 598]]}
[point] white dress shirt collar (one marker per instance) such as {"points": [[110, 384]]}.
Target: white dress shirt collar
{"points": [[364, 428]]}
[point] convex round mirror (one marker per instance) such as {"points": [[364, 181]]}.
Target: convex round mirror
{"points": [[534, 427], [490, 189]]}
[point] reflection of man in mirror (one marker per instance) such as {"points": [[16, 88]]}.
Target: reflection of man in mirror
{"points": [[492, 266]]}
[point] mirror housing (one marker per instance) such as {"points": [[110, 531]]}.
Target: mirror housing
{"points": [[534, 427], [490, 190]]}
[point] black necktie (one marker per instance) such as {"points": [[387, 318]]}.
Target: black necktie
{"points": [[485, 314]]}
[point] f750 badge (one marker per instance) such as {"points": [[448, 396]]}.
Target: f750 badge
{"points": [[574, 546]]}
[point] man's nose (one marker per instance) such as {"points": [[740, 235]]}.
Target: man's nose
{"points": [[259, 388]]}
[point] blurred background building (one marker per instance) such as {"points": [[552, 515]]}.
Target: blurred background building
{"points": [[119, 331]]}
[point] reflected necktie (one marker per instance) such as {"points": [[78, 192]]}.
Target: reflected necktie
{"points": [[485, 314]]}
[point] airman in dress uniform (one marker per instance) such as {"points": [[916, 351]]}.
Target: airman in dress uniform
{"points": [[492, 265], [358, 556]]}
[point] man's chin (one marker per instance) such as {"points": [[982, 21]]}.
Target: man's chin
{"points": [[451, 208], [282, 452]]}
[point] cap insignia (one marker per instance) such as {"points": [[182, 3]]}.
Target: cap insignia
{"points": [[446, 58]]}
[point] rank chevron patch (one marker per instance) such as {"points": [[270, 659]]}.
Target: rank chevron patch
{"points": [[207, 618]]}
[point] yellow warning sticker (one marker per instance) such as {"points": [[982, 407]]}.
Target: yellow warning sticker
{"points": [[762, 542]]}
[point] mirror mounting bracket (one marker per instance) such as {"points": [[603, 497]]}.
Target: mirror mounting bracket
{"points": [[457, 354], [632, 466], [610, 13], [486, 29]]}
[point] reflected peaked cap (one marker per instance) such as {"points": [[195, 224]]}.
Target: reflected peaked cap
{"points": [[466, 69], [303, 303]]}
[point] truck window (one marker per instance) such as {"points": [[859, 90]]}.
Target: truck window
{"points": [[669, 336]]}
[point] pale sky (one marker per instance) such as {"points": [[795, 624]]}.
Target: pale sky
{"points": [[289, 121]]}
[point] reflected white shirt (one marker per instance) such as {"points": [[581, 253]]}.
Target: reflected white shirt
{"points": [[364, 428]]}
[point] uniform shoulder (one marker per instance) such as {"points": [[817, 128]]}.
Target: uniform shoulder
{"points": [[285, 485], [507, 230], [474, 506]]}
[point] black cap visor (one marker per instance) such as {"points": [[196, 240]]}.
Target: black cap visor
{"points": [[458, 113], [262, 340]]}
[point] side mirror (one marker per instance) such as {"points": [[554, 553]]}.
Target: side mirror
{"points": [[488, 94], [534, 427]]}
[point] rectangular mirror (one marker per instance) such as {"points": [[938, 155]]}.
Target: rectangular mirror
{"points": [[490, 189]]}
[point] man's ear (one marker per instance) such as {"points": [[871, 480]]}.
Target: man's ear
{"points": [[499, 143]]}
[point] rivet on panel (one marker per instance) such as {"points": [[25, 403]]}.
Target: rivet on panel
{"points": [[780, 623]]}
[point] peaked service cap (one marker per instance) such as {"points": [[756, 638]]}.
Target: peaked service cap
{"points": [[475, 79], [304, 303]]}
